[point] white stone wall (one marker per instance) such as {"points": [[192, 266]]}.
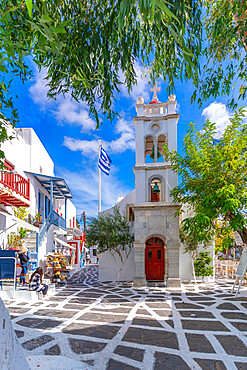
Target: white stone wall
{"points": [[123, 204], [11, 354], [109, 267], [71, 211], [27, 153], [185, 264]]}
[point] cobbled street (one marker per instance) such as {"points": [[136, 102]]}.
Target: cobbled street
{"points": [[108, 326]]}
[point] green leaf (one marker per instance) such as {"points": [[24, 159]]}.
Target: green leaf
{"points": [[29, 4], [166, 10]]}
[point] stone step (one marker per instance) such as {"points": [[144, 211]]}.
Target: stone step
{"points": [[25, 294]]}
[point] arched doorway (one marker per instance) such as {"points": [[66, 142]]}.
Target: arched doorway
{"points": [[155, 259]]}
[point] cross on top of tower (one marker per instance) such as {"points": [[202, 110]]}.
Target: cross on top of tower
{"points": [[155, 89]]}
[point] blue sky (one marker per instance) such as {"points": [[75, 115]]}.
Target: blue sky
{"points": [[69, 135]]}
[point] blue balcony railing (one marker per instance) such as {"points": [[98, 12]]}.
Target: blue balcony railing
{"points": [[53, 218], [58, 220]]}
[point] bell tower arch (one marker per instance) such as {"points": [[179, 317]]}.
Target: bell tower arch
{"points": [[155, 124]]}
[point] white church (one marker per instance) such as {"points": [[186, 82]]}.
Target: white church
{"points": [[157, 254]]}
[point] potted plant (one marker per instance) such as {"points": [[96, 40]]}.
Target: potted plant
{"points": [[16, 240], [20, 213], [37, 219]]}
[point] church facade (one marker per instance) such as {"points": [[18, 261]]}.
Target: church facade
{"points": [[157, 254]]}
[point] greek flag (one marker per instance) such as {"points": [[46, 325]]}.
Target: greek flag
{"points": [[104, 161]]}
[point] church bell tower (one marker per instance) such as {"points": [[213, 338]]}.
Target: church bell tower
{"points": [[156, 228]]}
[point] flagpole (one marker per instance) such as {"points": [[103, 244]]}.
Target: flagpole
{"points": [[99, 180]]}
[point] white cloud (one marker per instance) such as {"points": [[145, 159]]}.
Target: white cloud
{"points": [[142, 88], [218, 113], [69, 111], [125, 141], [84, 187], [65, 109], [87, 147], [38, 90]]}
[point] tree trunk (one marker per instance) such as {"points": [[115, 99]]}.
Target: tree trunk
{"points": [[243, 233], [241, 230]]}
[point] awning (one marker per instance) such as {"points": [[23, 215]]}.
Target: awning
{"points": [[63, 243], [20, 223], [60, 188]]}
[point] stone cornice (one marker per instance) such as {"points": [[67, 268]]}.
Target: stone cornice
{"points": [[156, 118], [155, 206], [153, 167]]}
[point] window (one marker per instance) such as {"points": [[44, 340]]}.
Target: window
{"points": [[159, 254], [155, 188], [162, 139], [131, 214], [150, 253], [149, 149], [46, 207]]}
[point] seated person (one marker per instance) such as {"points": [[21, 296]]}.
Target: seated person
{"points": [[36, 282]]}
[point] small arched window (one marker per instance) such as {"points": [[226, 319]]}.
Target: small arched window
{"points": [[155, 189], [162, 139], [149, 149], [131, 214]]}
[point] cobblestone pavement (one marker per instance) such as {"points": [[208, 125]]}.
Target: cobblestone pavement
{"points": [[109, 326]]}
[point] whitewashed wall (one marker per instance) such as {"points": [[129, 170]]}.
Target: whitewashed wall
{"points": [[27, 153], [110, 266], [71, 211], [185, 261], [11, 354], [123, 204]]}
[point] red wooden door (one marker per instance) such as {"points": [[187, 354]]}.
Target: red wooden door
{"points": [[154, 259]]}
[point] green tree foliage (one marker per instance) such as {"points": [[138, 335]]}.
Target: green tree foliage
{"points": [[202, 265], [89, 47], [213, 179], [22, 36], [86, 45], [111, 233], [224, 57], [190, 243]]}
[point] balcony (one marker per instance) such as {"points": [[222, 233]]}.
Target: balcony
{"points": [[14, 190], [58, 220], [158, 109]]}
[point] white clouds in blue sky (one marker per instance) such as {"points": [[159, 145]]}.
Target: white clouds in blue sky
{"points": [[218, 113], [65, 109], [84, 183], [80, 140], [84, 187], [125, 141]]}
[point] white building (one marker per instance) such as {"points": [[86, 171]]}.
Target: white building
{"points": [[157, 254], [30, 182]]}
